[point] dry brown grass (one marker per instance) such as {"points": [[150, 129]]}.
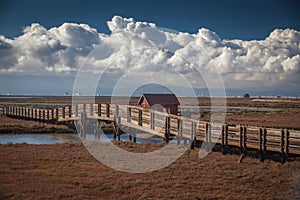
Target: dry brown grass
{"points": [[10, 125], [69, 171]]}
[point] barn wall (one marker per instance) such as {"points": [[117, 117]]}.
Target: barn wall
{"points": [[173, 108], [144, 104]]}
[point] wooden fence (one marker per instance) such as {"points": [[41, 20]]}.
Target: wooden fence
{"points": [[168, 126]]}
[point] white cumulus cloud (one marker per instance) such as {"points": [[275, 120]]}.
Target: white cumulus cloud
{"points": [[59, 50]]}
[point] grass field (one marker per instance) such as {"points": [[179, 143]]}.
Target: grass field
{"points": [[68, 171]]}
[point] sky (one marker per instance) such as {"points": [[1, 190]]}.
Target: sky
{"points": [[254, 45], [231, 19]]}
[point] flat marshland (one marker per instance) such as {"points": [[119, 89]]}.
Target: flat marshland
{"points": [[69, 171]]}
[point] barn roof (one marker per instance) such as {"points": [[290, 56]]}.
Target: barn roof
{"points": [[162, 99]]}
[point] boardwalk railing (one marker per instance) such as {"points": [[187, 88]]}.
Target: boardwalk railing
{"points": [[169, 126]]}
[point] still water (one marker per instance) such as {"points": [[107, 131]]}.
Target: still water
{"points": [[63, 138]]}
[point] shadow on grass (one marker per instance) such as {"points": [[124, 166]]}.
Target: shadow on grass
{"points": [[253, 153]]}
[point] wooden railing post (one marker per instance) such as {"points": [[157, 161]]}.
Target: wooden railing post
{"points": [[140, 118], [26, 114], [152, 119], [63, 112], [264, 142], [44, 115], [107, 110], [57, 115], [116, 113], [167, 129], [76, 110], [91, 109], [36, 114], [32, 113], [281, 150], [260, 145], [241, 139], [206, 136], [70, 111], [40, 115], [128, 115], [17, 112], [48, 115], [84, 108], [286, 143], [245, 138], [52, 115], [99, 109], [179, 134]]}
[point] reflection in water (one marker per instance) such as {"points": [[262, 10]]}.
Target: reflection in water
{"points": [[63, 138]]}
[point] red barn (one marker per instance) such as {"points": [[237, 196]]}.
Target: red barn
{"points": [[160, 102]]}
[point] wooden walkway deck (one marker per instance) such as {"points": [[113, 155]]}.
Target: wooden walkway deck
{"points": [[283, 141]]}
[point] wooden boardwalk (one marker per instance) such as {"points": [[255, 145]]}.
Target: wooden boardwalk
{"points": [[283, 141]]}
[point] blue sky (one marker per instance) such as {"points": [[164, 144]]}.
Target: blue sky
{"points": [[231, 19], [254, 45]]}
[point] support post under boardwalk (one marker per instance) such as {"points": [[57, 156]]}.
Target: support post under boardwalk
{"points": [[83, 118], [223, 139], [264, 142], [117, 121], [118, 128], [193, 135], [208, 136], [260, 145]]}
